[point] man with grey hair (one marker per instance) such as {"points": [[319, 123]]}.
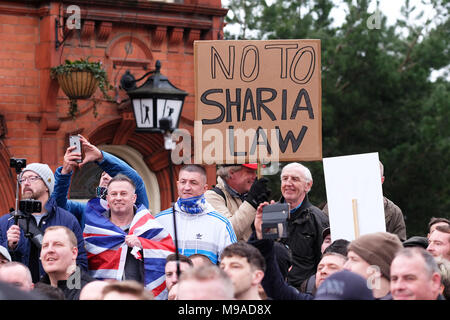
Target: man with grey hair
{"points": [[237, 195], [439, 242], [305, 224], [415, 275]]}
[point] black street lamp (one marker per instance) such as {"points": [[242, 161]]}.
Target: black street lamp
{"points": [[157, 106], [157, 99]]}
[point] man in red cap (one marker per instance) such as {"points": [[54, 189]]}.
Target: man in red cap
{"points": [[237, 195]]}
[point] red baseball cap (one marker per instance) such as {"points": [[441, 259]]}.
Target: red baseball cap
{"points": [[253, 166]]}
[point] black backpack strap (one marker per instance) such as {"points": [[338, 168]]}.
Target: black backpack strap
{"points": [[36, 234], [220, 193]]}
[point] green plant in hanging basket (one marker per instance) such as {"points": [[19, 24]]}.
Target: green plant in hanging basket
{"points": [[79, 79]]}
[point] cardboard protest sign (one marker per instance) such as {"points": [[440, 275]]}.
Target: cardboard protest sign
{"points": [[257, 100], [355, 195]]}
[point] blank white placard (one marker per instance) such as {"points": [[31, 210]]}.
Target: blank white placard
{"points": [[354, 177]]}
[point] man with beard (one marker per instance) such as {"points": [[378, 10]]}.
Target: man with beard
{"points": [[37, 183]]}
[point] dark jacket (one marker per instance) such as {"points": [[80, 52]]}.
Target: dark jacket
{"points": [[73, 285], [10, 292], [111, 165], [273, 283], [309, 285], [395, 222], [56, 216], [305, 226]]}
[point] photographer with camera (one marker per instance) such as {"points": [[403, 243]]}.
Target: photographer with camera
{"points": [[304, 223], [21, 232], [237, 196]]}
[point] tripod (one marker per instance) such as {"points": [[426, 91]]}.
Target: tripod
{"points": [[24, 208], [165, 125]]}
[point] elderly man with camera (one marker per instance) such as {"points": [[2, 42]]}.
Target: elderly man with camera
{"points": [[22, 232], [304, 223]]}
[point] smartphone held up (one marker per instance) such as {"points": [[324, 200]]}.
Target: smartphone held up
{"points": [[75, 141]]}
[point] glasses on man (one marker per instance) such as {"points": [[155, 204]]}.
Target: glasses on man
{"points": [[30, 179]]}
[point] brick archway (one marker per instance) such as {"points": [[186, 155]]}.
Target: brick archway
{"points": [[121, 131], [7, 181]]}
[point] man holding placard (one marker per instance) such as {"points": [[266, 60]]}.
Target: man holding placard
{"points": [[393, 216], [260, 101]]}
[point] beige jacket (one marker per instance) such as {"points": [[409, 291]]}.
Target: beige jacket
{"points": [[241, 214]]}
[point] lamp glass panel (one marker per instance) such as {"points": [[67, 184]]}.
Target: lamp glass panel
{"points": [[169, 108], [143, 112]]}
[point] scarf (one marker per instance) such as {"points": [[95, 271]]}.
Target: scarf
{"points": [[192, 205]]}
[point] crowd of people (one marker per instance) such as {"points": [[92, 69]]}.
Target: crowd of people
{"points": [[114, 248]]}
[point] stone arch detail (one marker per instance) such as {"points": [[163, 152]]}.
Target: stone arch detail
{"points": [[148, 146], [129, 51], [135, 159], [7, 181]]}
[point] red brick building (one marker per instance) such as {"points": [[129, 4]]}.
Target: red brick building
{"points": [[123, 35]]}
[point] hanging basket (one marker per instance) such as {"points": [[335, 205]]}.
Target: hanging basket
{"points": [[79, 79], [77, 84]]}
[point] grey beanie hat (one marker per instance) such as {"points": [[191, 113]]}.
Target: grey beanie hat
{"points": [[44, 171], [4, 252]]}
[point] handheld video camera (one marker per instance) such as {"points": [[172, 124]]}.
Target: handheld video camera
{"points": [[17, 164], [29, 206], [22, 218], [274, 224]]}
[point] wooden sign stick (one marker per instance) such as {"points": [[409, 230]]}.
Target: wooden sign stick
{"points": [[355, 217], [258, 171]]}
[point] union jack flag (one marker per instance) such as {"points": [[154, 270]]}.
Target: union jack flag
{"points": [[107, 250]]}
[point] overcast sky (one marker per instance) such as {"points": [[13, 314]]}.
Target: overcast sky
{"points": [[390, 8]]}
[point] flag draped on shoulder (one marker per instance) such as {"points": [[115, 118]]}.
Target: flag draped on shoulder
{"points": [[107, 250]]}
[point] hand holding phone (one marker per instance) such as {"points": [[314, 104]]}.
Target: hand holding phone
{"points": [[75, 141]]}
